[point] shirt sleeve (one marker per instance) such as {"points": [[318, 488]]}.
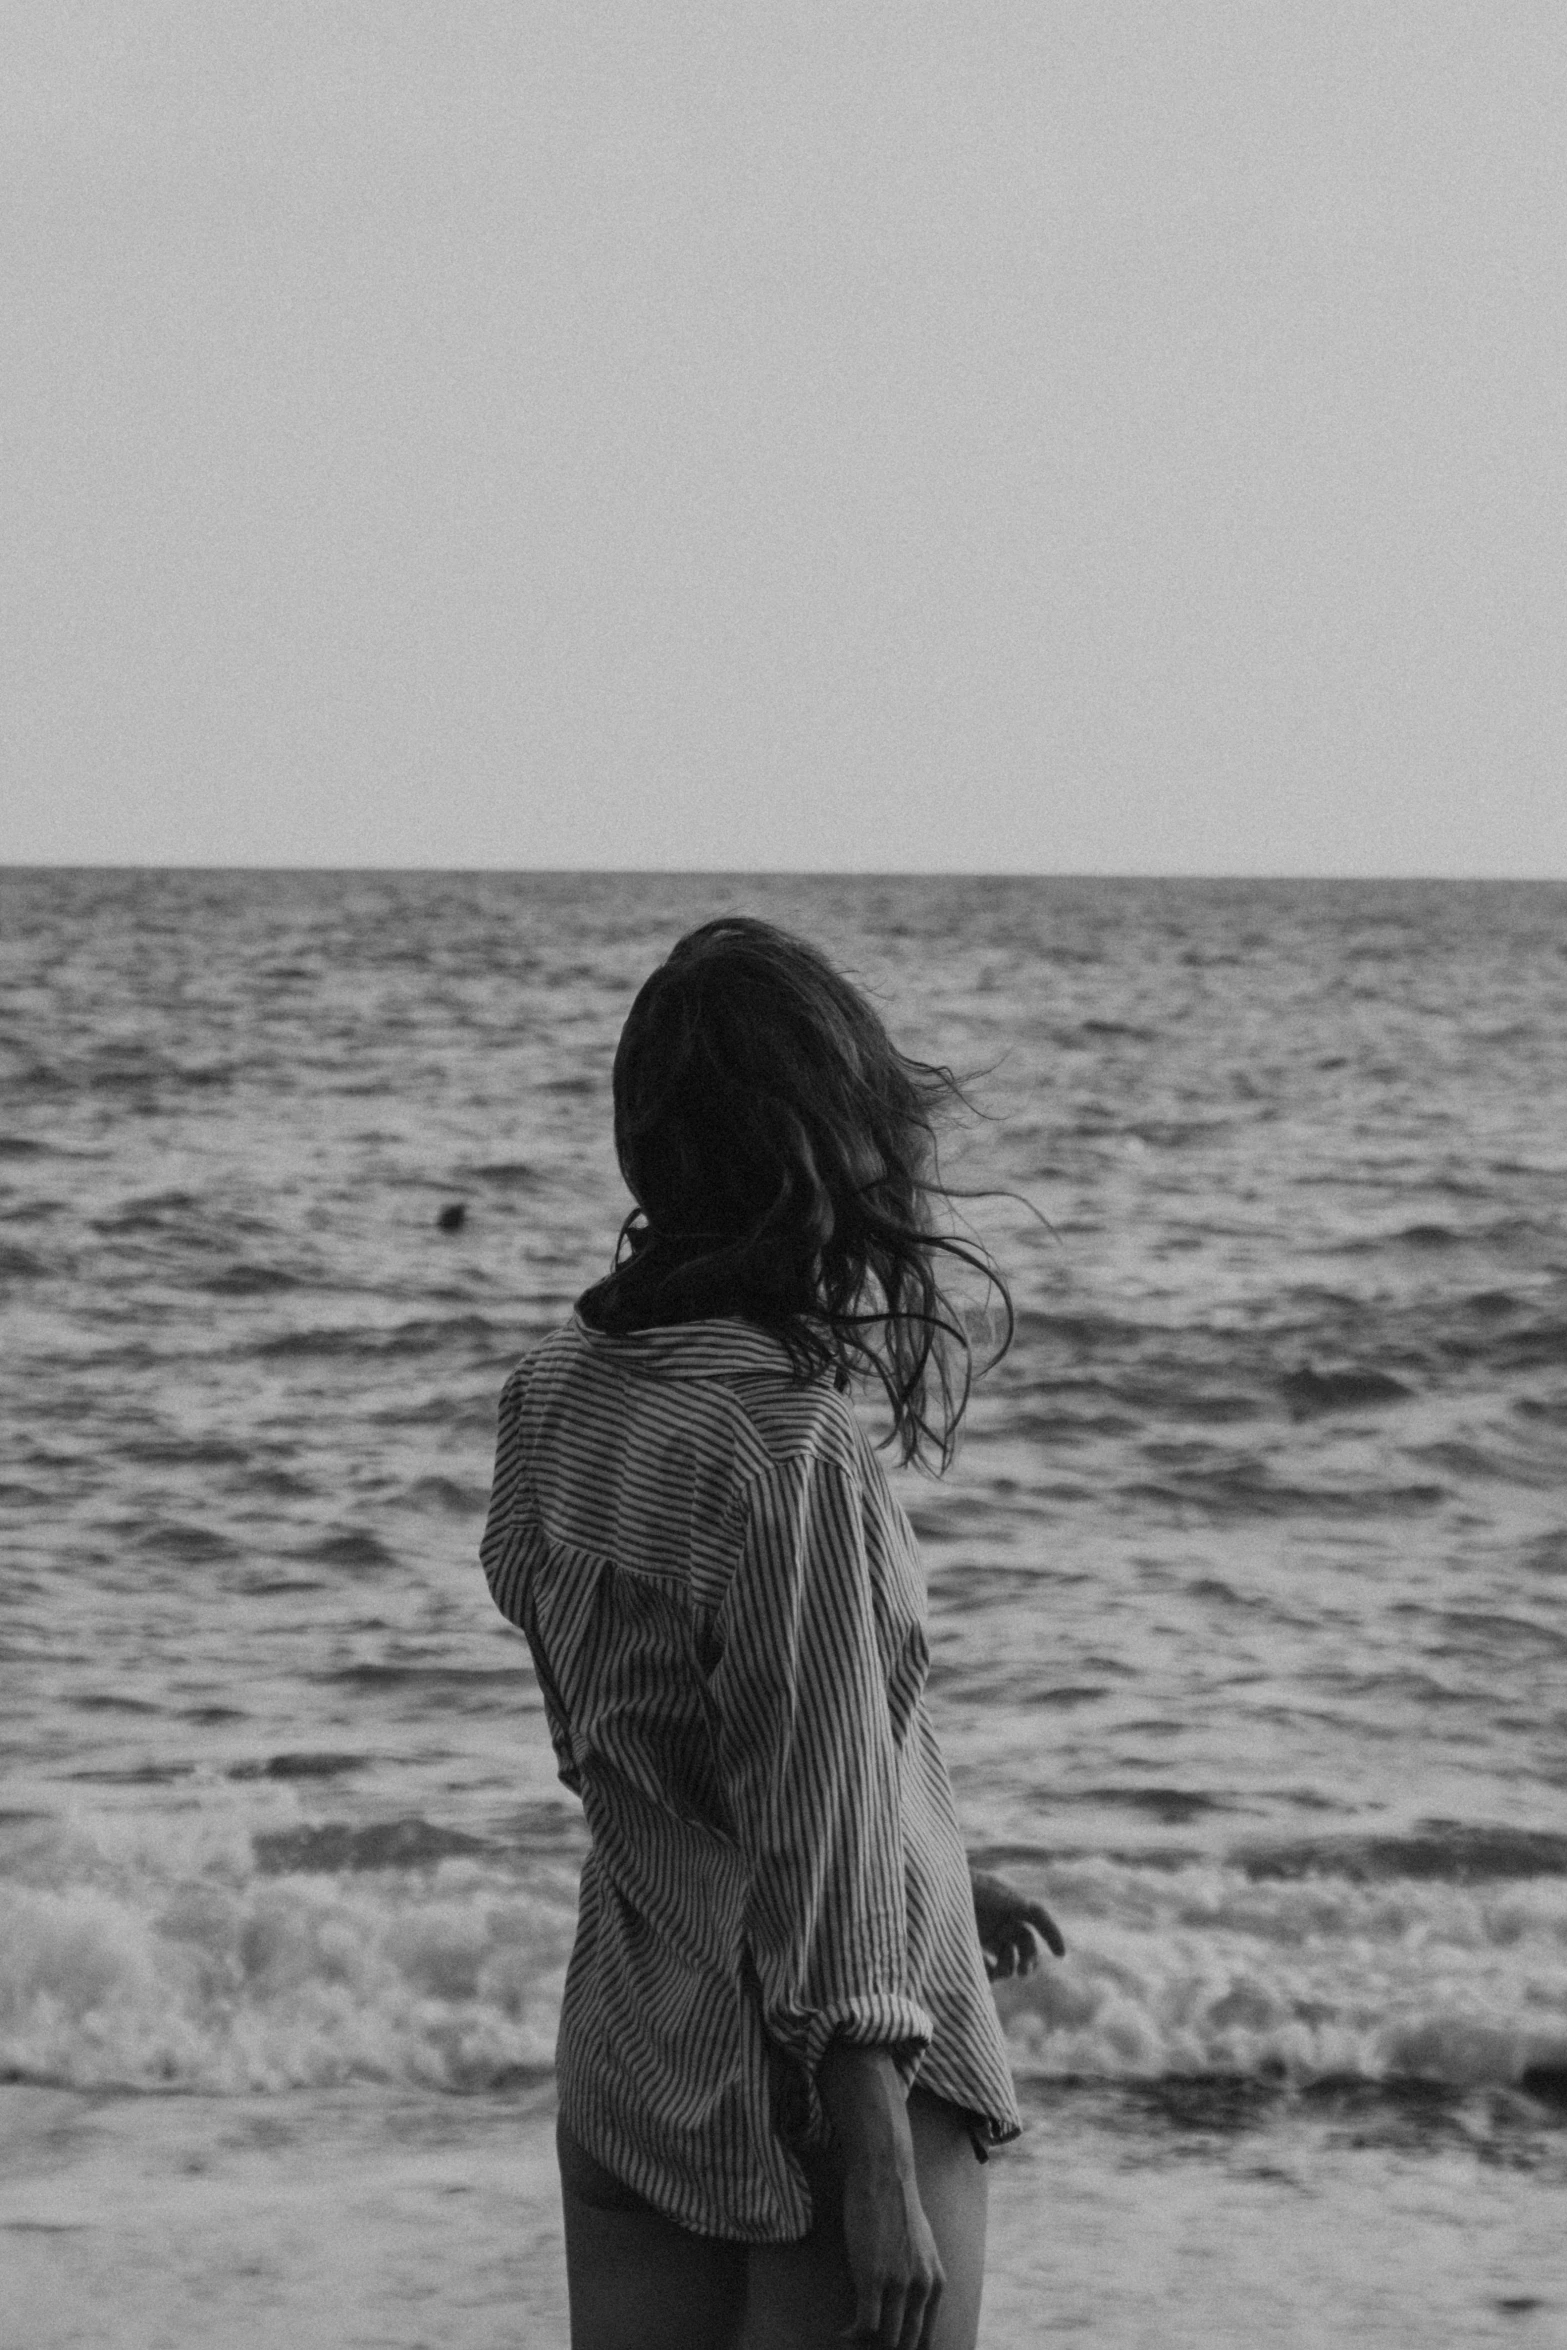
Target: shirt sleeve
{"points": [[810, 1773], [508, 1550]]}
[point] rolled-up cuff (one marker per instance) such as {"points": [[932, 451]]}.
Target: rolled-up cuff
{"points": [[876, 2019]]}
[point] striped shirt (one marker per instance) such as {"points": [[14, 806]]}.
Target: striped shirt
{"points": [[727, 1620]]}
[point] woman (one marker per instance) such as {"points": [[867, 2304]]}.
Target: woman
{"points": [[779, 2064]]}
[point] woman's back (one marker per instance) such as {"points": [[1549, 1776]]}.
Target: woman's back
{"points": [[725, 1613]]}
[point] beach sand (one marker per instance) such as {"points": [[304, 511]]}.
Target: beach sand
{"points": [[356, 2220]]}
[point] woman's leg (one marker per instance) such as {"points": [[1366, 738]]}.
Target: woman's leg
{"points": [[800, 2297], [636, 2281]]}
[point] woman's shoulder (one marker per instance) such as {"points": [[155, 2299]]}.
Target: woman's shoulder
{"points": [[799, 1418], [547, 1353], [709, 1375]]}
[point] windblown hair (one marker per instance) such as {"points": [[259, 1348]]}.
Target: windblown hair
{"points": [[783, 1157]]}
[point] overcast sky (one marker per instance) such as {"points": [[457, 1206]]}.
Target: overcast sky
{"points": [[1121, 436]]}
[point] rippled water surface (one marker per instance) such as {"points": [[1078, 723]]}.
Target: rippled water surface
{"points": [[1249, 1590]]}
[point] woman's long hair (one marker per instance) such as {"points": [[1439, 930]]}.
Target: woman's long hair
{"points": [[782, 1155]]}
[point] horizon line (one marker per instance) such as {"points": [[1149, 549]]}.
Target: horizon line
{"points": [[776, 872]]}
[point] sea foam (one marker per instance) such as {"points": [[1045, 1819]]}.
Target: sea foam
{"points": [[205, 1970], [197, 1955]]}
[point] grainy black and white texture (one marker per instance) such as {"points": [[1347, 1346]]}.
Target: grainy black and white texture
{"points": [[726, 1615], [1245, 1597]]}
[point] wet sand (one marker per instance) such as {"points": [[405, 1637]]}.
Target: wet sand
{"points": [[357, 2220]]}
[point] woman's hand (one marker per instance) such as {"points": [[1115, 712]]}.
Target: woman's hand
{"points": [[894, 2266], [1010, 1928]]}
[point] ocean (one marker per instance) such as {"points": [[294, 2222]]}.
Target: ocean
{"points": [[1248, 1588]]}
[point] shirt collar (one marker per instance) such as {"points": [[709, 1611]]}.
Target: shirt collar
{"points": [[691, 1350]]}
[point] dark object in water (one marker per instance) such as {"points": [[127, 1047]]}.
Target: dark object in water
{"points": [[453, 1216], [1327, 1391]]}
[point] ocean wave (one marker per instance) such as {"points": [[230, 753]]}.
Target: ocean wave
{"points": [[1081, 1376], [1430, 1852], [214, 1955], [421, 1336], [1241, 2027], [1204, 1970], [1547, 1554], [352, 1549], [446, 1496], [504, 1175], [299, 1766], [1544, 1347], [450, 1684], [1309, 1390], [244, 1279], [1431, 1237], [337, 1848], [174, 1450], [153, 1212], [118, 1069], [1173, 1807], [1242, 1487], [448, 1981], [179, 1540], [1438, 1852]]}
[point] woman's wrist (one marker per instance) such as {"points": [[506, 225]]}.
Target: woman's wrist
{"points": [[867, 2105]]}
